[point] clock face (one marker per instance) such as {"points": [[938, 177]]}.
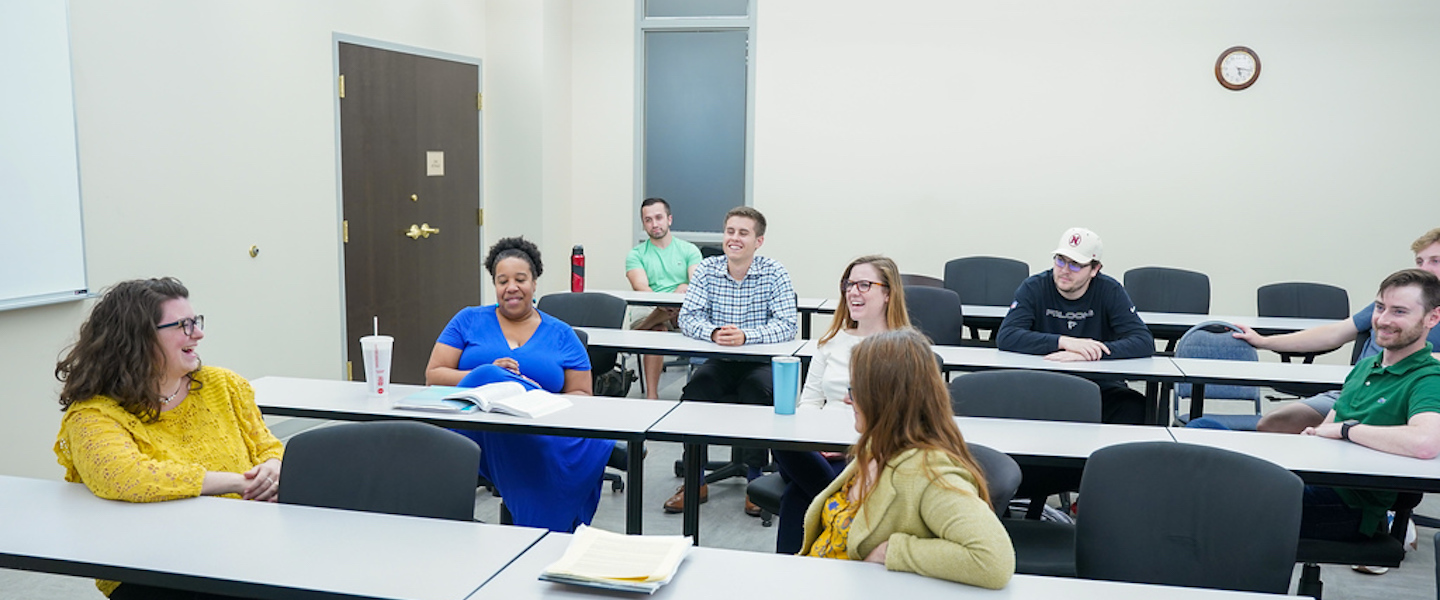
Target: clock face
{"points": [[1237, 68]]}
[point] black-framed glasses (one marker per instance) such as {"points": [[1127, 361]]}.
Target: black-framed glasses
{"points": [[862, 285], [188, 326], [1066, 263]]}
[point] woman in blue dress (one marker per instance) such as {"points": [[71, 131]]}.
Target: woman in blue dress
{"points": [[547, 481]]}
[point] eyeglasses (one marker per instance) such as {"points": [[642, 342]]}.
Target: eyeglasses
{"points": [[862, 285], [848, 399], [188, 326], [1066, 263]]}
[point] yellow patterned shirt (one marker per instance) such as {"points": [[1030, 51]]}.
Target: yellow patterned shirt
{"points": [[835, 518], [120, 457]]}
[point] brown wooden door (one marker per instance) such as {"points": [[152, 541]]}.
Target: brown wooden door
{"points": [[397, 107]]}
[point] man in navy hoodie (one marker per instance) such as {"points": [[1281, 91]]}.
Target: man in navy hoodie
{"points": [[1072, 312]]}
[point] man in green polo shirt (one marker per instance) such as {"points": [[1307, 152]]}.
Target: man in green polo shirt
{"points": [[662, 263], [1390, 402]]}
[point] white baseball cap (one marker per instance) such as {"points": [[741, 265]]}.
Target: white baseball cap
{"points": [[1080, 245]]}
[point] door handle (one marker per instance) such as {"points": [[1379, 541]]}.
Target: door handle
{"points": [[422, 230]]}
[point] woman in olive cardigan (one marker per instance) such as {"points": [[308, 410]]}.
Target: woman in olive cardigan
{"points": [[927, 510]]}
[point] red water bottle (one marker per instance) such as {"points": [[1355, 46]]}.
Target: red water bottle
{"points": [[577, 269]]}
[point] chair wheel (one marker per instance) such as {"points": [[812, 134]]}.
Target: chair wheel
{"points": [[617, 486], [679, 468]]}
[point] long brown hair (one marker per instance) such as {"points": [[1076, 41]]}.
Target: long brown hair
{"points": [[897, 389], [118, 352], [895, 315]]}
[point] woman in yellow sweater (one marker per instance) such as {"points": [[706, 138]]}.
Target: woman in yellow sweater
{"points": [[145, 422], [913, 498]]}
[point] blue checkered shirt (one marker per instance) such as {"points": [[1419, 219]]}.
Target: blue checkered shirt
{"points": [[762, 304]]}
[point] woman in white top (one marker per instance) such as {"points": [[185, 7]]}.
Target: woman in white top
{"points": [[873, 301]]}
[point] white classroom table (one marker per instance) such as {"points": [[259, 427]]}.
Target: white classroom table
{"points": [[1030, 442], [251, 549], [805, 306], [716, 574], [1321, 461], [676, 343], [590, 417], [1200, 372], [1168, 324]]}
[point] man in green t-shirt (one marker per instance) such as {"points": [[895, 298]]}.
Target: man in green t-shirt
{"points": [[1390, 402], [662, 263]]}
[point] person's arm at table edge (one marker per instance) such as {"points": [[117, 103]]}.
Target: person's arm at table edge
{"points": [[812, 396], [784, 320], [1314, 339], [694, 317], [443, 367], [1016, 333], [639, 281], [1419, 437], [1132, 337]]}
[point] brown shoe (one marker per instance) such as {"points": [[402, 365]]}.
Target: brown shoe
{"points": [[751, 509], [676, 503]]}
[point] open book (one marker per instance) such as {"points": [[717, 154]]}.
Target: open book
{"points": [[506, 397], [612, 561]]}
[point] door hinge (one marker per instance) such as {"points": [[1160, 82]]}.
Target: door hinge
{"points": [[480, 217], [349, 372], [345, 231], [479, 101], [342, 86]]}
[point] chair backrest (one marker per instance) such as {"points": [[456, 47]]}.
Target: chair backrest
{"points": [[910, 280], [985, 280], [588, 309], [1187, 515], [1361, 339], [1033, 395], [1163, 289], [392, 467], [935, 311], [1212, 340], [1302, 300], [585, 309], [1002, 475]]}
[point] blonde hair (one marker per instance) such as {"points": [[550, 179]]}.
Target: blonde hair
{"points": [[896, 387], [896, 316], [1426, 240]]}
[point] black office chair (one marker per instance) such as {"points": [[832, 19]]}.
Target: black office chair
{"points": [[910, 280], [1380, 551], [1188, 515], [985, 281], [1304, 301], [1041, 547], [588, 309], [936, 312], [392, 467], [1163, 289], [1002, 475]]}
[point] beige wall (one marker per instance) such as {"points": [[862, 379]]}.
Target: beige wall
{"points": [[205, 128], [932, 130], [946, 129]]}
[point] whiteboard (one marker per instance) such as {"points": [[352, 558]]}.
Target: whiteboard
{"points": [[42, 243]]}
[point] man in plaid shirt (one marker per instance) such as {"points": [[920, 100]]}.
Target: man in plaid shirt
{"points": [[733, 300]]}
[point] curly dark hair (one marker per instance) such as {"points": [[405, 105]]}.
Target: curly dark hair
{"points": [[514, 247], [118, 352]]}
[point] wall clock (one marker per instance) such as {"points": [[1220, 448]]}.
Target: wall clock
{"points": [[1237, 68]]}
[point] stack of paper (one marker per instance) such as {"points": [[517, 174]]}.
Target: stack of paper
{"points": [[629, 563]]}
